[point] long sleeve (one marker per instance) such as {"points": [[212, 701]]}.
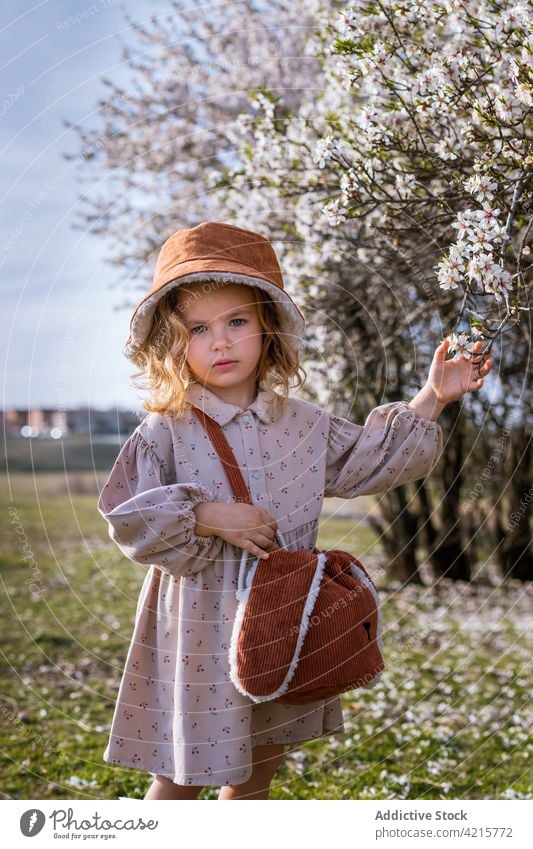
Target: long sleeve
{"points": [[152, 522], [394, 446]]}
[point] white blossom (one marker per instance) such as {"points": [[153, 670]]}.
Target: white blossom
{"points": [[348, 20], [334, 213], [524, 95], [442, 148], [481, 186], [405, 184], [324, 149], [463, 223], [451, 269], [509, 108], [498, 281], [459, 346]]}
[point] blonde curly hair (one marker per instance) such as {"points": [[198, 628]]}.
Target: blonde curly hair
{"points": [[162, 358]]}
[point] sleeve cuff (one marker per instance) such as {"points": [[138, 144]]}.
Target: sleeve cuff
{"points": [[397, 412], [199, 494]]}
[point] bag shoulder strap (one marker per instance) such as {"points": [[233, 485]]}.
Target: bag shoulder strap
{"points": [[226, 455]]}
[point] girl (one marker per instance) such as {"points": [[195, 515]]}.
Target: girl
{"points": [[219, 330]]}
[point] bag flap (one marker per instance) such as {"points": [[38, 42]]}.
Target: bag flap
{"points": [[272, 621]]}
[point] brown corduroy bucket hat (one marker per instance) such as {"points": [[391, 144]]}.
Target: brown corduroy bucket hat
{"points": [[215, 252]]}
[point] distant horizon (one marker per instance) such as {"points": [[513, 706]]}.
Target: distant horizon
{"points": [[68, 409]]}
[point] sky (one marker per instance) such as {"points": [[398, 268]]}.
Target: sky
{"points": [[61, 332]]}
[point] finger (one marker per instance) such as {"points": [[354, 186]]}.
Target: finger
{"points": [[265, 516], [267, 526], [272, 524], [482, 363], [254, 549], [441, 350], [484, 369], [263, 539]]}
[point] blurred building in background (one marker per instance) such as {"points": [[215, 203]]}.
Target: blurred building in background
{"points": [[50, 423]]}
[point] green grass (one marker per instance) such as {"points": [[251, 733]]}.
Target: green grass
{"points": [[449, 720]]}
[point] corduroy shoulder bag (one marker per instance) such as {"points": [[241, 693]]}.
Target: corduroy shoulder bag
{"points": [[308, 624]]}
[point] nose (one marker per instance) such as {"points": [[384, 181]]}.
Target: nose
{"points": [[220, 339]]}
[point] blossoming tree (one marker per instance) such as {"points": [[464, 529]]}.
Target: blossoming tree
{"points": [[447, 92], [411, 170], [160, 127], [384, 148]]}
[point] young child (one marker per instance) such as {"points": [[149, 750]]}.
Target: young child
{"points": [[219, 330]]}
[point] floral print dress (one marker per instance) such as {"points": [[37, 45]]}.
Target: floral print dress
{"points": [[177, 712]]}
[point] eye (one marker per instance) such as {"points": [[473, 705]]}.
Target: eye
{"points": [[200, 326]]}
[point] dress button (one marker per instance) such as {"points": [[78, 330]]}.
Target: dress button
{"points": [[246, 419], [256, 474]]}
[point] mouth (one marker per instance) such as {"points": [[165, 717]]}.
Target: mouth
{"points": [[225, 363]]}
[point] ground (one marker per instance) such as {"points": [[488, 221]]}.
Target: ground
{"points": [[450, 718]]}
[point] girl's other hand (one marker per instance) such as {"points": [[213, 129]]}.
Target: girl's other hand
{"points": [[450, 379], [243, 525]]}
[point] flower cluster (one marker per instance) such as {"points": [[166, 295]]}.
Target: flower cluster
{"points": [[479, 233]]}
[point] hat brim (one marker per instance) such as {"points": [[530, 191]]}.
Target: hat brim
{"points": [[141, 320]]}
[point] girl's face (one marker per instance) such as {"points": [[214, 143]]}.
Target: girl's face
{"points": [[223, 326]]}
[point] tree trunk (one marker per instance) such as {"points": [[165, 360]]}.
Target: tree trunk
{"points": [[397, 532], [428, 531], [448, 555], [515, 553]]}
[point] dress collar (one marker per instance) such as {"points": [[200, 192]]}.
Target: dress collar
{"points": [[263, 406]]}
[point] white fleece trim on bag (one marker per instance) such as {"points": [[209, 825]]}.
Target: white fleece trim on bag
{"points": [[304, 626], [237, 624], [357, 572]]}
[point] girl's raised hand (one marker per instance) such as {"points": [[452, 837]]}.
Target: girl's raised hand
{"points": [[450, 379]]}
